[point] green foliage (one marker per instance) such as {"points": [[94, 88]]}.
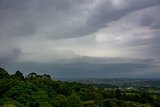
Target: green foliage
{"points": [[24, 92], [118, 94], [60, 101], [41, 91], [32, 75], [109, 103], [74, 100], [18, 75], [84, 94], [3, 73], [89, 103]]}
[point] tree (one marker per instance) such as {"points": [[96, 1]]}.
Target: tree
{"points": [[146, 97], [96, 97], [3, 73], [45, 76], [31, 75], [118, 94], [60, 101], [84, 94], [18, 75], [109, 103], [27, 94], [74, 100]]}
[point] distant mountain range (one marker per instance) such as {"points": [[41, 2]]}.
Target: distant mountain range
{"points": [[120, 82]]}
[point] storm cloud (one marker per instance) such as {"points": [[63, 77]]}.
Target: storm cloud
{"points": [[81, 38]]}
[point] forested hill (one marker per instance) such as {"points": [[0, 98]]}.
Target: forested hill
{"points": [[36, 90], [119, 82]]}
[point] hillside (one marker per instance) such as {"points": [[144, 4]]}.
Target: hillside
{"points": [[35, 90]]}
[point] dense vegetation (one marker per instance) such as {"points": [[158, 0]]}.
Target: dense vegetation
{"points": [[42, 91]]}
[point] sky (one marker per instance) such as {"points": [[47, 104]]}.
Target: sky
{"points": [[81, 38]]}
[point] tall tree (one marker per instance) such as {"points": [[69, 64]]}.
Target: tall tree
{"points": [[18, 75], [3, 73]]}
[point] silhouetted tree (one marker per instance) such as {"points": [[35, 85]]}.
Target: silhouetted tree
{"points": [[33, 74], [46, 76], [3, 73], [18, 75]]}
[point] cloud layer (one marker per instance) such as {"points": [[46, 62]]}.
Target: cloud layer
{"points": [[99, 38]]}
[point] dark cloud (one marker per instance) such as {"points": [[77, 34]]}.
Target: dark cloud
{"points": [[11, 55], [9, 59], [59, 32], [25, 29], [16, 5], [146, 20], [84, 67], [150, 20], [153, 49], [106, 13], [24, 18], [84, 70], [103, 60]]}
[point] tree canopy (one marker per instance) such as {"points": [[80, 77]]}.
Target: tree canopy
{"points": [[36, 90]]}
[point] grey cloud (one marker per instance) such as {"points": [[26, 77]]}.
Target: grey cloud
{"points": [[151, 18], [16, 5], [25, 29], [10, 57], [103, 60], [146, 20], [85, 67], [81, 70], [153, 49], [145, 48], [25, 18], [156, 26], [35, 26], [13, 53], [154, 40], [136, 4], [106, 13], [151, 21], [98, 70]]}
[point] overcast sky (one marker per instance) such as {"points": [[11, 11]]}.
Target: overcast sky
{"points": [[81, 38]]}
